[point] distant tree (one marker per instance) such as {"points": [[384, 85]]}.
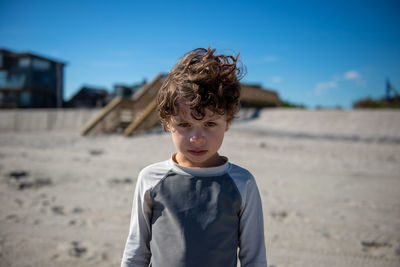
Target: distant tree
{"points": [[287, 104], [377, 103]]}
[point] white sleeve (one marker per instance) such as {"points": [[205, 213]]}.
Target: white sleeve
{"points": [[137, 249], [251, 232]]}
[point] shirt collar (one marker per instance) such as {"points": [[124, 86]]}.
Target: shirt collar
{"points": [[210, 171]]}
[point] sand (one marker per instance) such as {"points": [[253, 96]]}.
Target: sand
{"points": [[329, 183]]}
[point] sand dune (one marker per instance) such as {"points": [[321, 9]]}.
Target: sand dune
{"points": [[329, 181]]}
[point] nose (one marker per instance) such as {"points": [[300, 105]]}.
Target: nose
{"points": [[198, 138]]}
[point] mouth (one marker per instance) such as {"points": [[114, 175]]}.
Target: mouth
{"points": [[197, 152]]}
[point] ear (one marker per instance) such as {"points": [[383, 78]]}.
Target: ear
{"points": [[167, 126]]}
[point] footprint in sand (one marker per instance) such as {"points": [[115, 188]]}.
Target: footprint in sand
{"points": [[96, 152], [120, 181], [19, 174], [58, 210], [77, 250], [77, 210], [279, 215], [13, 217], [73, 249], [21, 180], [376, 248]]}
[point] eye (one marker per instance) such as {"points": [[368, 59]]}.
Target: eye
{"points": [[183, 124], [210, 124]]}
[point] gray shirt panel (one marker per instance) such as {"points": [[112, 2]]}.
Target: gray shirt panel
{"points": [[200, 216]]}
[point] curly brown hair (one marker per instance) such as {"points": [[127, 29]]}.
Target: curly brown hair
{"points": [[203, 80]]}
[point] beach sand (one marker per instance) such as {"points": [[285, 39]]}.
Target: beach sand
{"points": [[329, 183]]}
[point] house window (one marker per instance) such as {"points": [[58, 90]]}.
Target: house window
{"points": [[24, 62], [9, 97], [41, 65], [16, 80], [25, 98], [3, 78], [46, 80]]}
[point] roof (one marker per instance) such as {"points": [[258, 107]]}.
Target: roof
{"points": [[29, 54], [93, 91]]}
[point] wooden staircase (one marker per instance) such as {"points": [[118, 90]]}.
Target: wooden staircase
{"points": [[128, 115]]}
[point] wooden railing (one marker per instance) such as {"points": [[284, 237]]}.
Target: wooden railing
{"points": [[144, 120], [121, 114], [104, 119]]}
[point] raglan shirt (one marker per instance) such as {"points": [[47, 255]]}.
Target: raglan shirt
{"points": [[195, 217]]}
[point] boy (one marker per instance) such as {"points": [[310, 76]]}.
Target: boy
{"points": [[197, 209]]}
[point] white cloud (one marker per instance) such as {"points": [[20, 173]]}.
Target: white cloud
{"points": [[276, 79], [323, 87], [351, 75]]}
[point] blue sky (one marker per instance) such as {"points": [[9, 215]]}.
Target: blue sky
{"points": [[324, 53]]}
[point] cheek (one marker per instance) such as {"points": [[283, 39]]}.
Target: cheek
{"points": [[178, 138], [218, 136]]}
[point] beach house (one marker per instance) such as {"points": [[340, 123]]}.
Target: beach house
{"points": [[30, 81]]}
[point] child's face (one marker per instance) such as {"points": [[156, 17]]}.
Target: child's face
{"points": [[197, 141]]}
